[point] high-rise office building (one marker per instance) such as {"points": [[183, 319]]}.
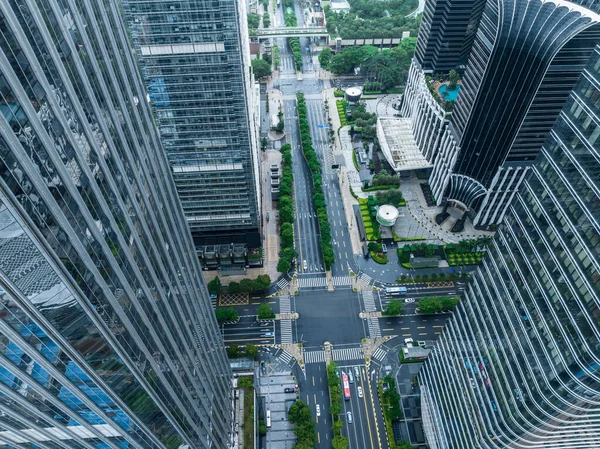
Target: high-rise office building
{"points": [[107, 335], [195, 60], [517, 78], [518, 365]]}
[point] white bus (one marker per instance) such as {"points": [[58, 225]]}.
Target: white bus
{"points": [[268, 419], [395, 291]]}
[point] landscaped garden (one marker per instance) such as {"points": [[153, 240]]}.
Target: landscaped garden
{"points": [[390, 405], [368, 212], [377, 254], [465, 252]]}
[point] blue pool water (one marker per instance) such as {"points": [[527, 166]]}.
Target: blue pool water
{"points": [[449, 95]]}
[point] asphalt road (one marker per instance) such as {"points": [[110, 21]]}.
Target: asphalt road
{"points": [[329, 316], [314, 391], [249, 331]]}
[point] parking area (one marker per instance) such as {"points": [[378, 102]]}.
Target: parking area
{"points": [[277, 391]]}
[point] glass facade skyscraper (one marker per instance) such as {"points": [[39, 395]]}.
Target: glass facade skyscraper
{"points": [[107, 336], [517, 77], [196, 64], [518, 366]]}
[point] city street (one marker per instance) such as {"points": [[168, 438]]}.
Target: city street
{"points": [[249, 331]]}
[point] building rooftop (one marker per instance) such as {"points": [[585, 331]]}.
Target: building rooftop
{"points": [[398, 144]]}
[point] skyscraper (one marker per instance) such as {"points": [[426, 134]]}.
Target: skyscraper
{"points": [[195, 60], [107, 336], [518, 365], [518, 76]]}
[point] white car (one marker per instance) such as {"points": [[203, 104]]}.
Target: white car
{"points": [[409, 300], [304, 265], [408, 340], [357, 373], [318, 410], [359, 389], [472, 382]]}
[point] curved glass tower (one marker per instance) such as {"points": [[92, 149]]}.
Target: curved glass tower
{"points": [[107, 335], [518, 366]]}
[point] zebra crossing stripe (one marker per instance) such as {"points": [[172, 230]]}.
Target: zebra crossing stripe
{"points": [[347, 354], [379, 354], [374, 328], [286, 356], [314, 356], [286, 332], [369, 301], [312, 282], [282, 283], [284, 304], [342, 280]]}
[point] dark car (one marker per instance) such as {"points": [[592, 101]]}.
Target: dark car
{"points": [[288, 390]]}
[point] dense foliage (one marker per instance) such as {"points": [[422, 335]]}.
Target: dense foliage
{"points": [[286, 211], [265, 312], [335, 407], [260, 68], [368, 19], [250, 285], [433, 304], [253, 21], [316, 175], [393, 307], [386, 67], [393, 197], [391, 399], [294, 42], [214, 286], [385, 179], [226, 314], [304, 425], [364, 122]]}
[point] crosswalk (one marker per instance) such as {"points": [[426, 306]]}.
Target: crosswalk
{"points": [[379, 354], [374, 328], [287, 63], [347, 354], [284, 304], [285, 356], [314, 356], [286, 332], [339, 281], [282, 283], [365, 278], [369, 301], [306, 282]]}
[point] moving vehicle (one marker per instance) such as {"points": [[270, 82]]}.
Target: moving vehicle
{"points": [[268, 418], [346, 386], [318, 410], [356, 373], [349, 417], [472, 382], [408, 300], [395, 291], [494, 406], [408, 340], [350, 377], [360, 393], [304, 265], [269, 334]]}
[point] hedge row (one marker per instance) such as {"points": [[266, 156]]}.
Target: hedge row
{"points": [[315, 171], [294, 42], [286, 211]]}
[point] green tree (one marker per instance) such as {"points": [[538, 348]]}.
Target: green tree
{"points": [[393, 197], [453, 77], [226, 314], [286, 214], [214, 286], [335, 408], [287, 235], [251, 351], [393, 308], [267, 57], [253, 21], [325, 57], [339, 442], [233, 352], [265, 312], [244, 381], [261, 68], [284, 265]]}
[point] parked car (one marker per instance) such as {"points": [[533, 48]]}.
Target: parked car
{"points": [[494, 406], [288, 390], [360, 393], [486, 381], [422, 344], [349, 417], [263, 368], [318, 410], [472, 382], [383, 248]]}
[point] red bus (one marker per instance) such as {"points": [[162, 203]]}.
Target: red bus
{"points": [[346, 386]]}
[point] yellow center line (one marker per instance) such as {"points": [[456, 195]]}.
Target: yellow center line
{"points": [[366, 409]]}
